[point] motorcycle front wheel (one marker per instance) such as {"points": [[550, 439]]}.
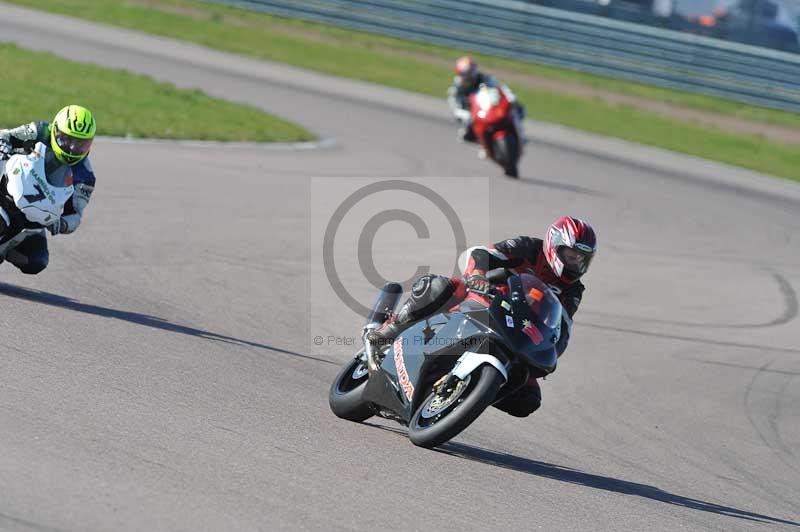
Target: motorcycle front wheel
{"points": [[345, 393], [442, 416], [506, 154]]}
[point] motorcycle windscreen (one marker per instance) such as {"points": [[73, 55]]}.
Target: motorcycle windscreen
{"points": [[493, 106], [534, 324]]}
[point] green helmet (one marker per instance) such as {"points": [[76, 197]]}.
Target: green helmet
{"points": [[71, 134]]}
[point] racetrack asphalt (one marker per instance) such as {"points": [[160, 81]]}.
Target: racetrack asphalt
{"points": [[161, 374]]}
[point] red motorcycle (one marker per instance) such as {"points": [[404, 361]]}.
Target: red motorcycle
{"points": [[495, 122]]}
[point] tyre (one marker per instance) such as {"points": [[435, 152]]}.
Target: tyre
{"points": [[506, 154], [500, 151], [513, 153], [440, 418], [345, 394]]}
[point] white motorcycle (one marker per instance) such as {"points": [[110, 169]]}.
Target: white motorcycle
{"points": [[29, 201]]}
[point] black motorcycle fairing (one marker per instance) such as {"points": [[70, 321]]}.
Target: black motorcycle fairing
{"points": [[17, 217], [514, 328], [403, 356], [421, 355]]}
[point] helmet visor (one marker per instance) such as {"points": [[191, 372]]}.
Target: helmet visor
{"points": [[575, 260], [72, 145]]}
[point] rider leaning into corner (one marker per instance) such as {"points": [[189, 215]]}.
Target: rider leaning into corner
{"points": [[560, 260], [467, 81], [69, 138]]}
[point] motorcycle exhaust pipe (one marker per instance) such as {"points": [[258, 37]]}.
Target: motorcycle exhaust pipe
{"points": [[382, 309], [384, 305]]}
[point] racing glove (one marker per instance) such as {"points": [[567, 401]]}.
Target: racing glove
{"points": [[6, 150], [463, 116], [57, 227], [478, 282]]}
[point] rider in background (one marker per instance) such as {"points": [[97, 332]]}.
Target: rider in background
{"points": [[466, 82], [560, 260], [69, 139]]}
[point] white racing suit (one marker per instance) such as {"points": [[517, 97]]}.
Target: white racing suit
{"points": [[31, 256]]}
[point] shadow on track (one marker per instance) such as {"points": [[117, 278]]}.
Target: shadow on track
{"points": [[561, 186], [723, 343], [55, 300], [574, 476]]}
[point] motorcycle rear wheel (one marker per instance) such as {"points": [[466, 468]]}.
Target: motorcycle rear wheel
{"points": [[430, 427], [345, 393]]}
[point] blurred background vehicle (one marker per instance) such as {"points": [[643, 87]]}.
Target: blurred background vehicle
{"points": [[767, 23], [694, 16]]}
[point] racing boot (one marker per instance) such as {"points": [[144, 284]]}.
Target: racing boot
{"points": [[391, 328], [428, 294], [522, 402], [466, 134]]}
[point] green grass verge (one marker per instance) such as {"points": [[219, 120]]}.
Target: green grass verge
{"points": [[126, 104], [347, 53], [426, 69], [635, 125]]}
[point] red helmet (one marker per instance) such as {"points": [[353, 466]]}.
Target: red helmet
{"points": [[466, 71], [569, 246]]}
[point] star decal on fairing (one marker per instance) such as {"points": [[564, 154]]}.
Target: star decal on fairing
{"points": [[532, 332]]}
